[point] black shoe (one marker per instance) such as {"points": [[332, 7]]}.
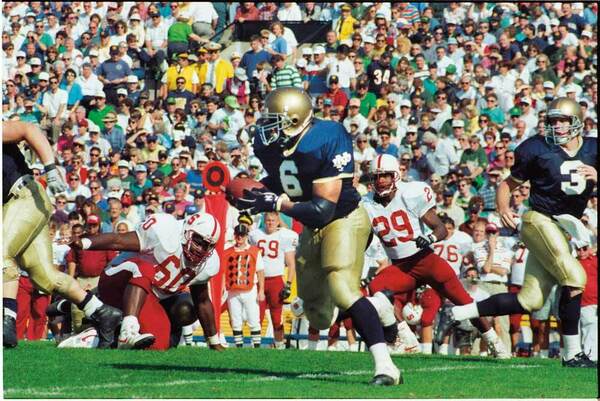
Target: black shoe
{"points": [[105, 320], [580, 360], [58, 308], [385, 380], [10, 332]]}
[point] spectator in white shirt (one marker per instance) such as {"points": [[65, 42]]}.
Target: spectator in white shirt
{"points": [[343, 67], [55, 104], [441, 154], [363, 151], [204, 16], [355, 117], [289, 12]]}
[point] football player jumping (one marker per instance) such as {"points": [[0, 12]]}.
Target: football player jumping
{"points": [[397, 213], [26, 211], [310, 167], [559, 167], [159, 261]]}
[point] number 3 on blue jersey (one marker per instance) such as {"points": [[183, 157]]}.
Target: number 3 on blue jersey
{"points": [[575, 183], [287, 174]]}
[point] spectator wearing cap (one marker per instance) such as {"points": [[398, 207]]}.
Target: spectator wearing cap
{"points": [[227, 121], [354, 116], [317, 69], [216, 70], [54, 103], [96, 140], [156, 39], [344, 27], [31, 112], [449, 206], [124, 169], [474, 157], [182, 69], [528, 114], [113, 133], [141, 182], [338, 97], [86, 265], [256, 54], [113, 74], [343, 67], [152, 148], [380, 72], [284, 75]]}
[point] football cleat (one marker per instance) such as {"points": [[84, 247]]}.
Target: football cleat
{"points": [[498, 350], [105, 320], [86, 339], [391, 377], [9, 330], [580, 360], [130, 340]]}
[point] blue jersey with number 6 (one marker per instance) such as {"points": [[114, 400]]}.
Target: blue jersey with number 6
{"points": [[324, 153], [556, 187]]}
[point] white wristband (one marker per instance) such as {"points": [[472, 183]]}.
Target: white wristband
{"points": [[214, 340], [282, 198], [86, 243], [432, 237]]}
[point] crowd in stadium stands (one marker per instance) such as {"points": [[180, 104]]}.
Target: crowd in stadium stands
{"points": [[137, 98]]}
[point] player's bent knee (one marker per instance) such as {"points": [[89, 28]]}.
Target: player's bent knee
{"points": [[10, 271]]}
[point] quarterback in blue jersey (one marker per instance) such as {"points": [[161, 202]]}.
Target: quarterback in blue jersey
{"points": [[310, 167], [559, 167]]}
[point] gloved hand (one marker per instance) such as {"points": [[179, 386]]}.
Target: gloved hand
{"points": [[260, 200], [364, 283], [424, 242], [54, 180], [287, 290]]}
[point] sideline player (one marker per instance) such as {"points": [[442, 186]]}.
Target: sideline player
{"points": [[278, 246], [397, 214], [164, 258], [310, 168], [559, 167], [26, 212]]}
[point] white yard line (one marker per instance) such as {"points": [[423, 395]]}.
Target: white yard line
{"points": [[66, 390]]}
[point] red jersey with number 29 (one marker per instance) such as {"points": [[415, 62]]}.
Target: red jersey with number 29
{"points": [[399, 223], [160, 239]]}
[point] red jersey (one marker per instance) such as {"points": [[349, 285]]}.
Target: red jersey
{"points": [[590, 293], [90, 263]]}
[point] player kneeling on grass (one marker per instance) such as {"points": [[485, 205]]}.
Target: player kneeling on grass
{"points": [[397, 213], [160, 260]]}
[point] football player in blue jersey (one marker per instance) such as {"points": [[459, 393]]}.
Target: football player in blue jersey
{"points": [[559, 167], [310, 167]]}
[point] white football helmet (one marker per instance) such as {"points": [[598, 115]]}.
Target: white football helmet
{"points": [[297, 307], [384, 164], [201, 232], [412, 313]]}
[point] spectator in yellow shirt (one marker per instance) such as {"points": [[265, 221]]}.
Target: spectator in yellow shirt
{"points": [[345, 25], [216, 70]]}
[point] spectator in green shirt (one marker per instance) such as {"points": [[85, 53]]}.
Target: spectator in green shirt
{"points": [[474, 158], [493, 111], [32, 113], [368, 101], [179, 35], [100, 111]]}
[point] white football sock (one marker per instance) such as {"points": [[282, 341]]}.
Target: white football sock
{"points": [[384, 308], [572, 346], [490, 336], [468, 311], [130, 324], [443, 350], [93, 304], [427, 348], [381, 357], [312, 345]]}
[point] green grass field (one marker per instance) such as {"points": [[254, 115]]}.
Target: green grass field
{"points": [[39, 370]]}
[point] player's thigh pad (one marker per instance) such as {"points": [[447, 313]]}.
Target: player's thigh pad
{"points": [[23, 218], [312, 280], [537, 285], [342, 256], [546, 240]]}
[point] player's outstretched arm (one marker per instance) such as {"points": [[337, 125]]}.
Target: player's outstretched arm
{"points": [[17, 131], [503, 201], [113, 242], [206, 316]]}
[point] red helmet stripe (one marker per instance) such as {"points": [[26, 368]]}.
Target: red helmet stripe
{"points": [[379, 162]]}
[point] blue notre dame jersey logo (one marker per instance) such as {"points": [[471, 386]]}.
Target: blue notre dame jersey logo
{"points": [[556, 187], [323, 153]]}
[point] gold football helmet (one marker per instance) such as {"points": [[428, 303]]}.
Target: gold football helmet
{"points": [[288, 111], [559, 109]]}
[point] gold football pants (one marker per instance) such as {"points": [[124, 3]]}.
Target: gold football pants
{"points": [[550, 261], [27, 243], [329, 266]]}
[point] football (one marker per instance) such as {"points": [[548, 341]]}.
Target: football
{"points": [[235, 188]]}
